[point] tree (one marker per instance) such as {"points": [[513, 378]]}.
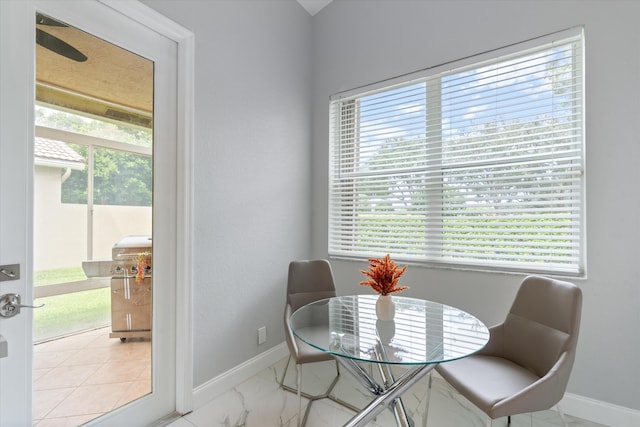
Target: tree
{"points": [[119, 177]]}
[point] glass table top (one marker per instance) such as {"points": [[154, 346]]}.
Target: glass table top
{"points": [[422, 332]]}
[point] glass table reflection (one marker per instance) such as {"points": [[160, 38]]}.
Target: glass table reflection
{"points": [[421, 335]]}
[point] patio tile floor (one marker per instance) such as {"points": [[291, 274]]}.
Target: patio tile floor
{"points": [[83, 376]]}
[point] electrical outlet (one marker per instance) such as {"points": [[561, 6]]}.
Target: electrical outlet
{"points": [[262, 335]]}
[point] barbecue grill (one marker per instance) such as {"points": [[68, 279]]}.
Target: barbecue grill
{"points": [[131, 288], [130, 269]]}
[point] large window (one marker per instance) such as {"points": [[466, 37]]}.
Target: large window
{"points": [[479, 165]]}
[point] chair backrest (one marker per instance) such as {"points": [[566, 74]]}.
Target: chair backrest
{"points": [[543, 322], [309, 281]]}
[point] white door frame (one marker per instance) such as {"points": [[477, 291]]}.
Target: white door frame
{"points": [[184, 264], [17, 124], [185, 41]]}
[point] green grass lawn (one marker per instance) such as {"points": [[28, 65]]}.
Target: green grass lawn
{"points": [[69, 313], [60, 275]]}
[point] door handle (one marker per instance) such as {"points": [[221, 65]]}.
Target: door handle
{"points": [[9, 272], [10, 305]]}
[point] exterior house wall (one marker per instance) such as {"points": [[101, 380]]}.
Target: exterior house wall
{"points": [[60, 230]]}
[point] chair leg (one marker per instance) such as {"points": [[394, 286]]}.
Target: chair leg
{"points": [[302, 419], [299, 383], [562, 417], [426, 408], [489, 422], [284, 373]]}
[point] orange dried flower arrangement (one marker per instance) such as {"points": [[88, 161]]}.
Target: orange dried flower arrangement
{"points": [[384, 276], [144, 261]]}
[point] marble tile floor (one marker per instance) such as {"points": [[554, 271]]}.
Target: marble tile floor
{"points": [[259, 402], [80, 377]]}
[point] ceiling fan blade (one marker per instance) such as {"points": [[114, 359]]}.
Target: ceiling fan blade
{"points": [[58, 46], [45, 20]]}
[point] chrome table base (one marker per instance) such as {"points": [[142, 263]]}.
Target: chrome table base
{"points": [[388, 395]]}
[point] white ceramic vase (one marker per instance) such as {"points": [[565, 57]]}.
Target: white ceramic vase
{"points": [[386, 330], [385, 307]]}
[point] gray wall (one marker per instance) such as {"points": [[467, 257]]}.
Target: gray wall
{"points": [[252, 142], [360, 42], [261, 160]]}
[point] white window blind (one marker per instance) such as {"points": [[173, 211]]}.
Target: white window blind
{"points": [[480, 166]]}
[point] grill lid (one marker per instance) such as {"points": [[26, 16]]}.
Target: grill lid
{"points": [[142, 242], [124, 257], [130, 247]]}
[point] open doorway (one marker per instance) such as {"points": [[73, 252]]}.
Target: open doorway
{"points": [[93, 196]]}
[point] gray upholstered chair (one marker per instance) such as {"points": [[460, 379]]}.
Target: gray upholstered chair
{"points": [[308, 281], [526, 364]]}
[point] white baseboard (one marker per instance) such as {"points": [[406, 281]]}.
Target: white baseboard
{"points": [[599, 412], [208, 391], [575, 405]]}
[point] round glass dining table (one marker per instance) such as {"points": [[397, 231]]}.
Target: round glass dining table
{"points": [[421, 335]]}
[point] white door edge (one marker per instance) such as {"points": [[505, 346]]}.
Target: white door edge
{"points": [[16, 177]]}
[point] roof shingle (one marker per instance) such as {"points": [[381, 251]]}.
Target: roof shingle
{"points": [[56, 150]]}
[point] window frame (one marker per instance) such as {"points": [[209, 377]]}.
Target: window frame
{"points": [[344, 104]]}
